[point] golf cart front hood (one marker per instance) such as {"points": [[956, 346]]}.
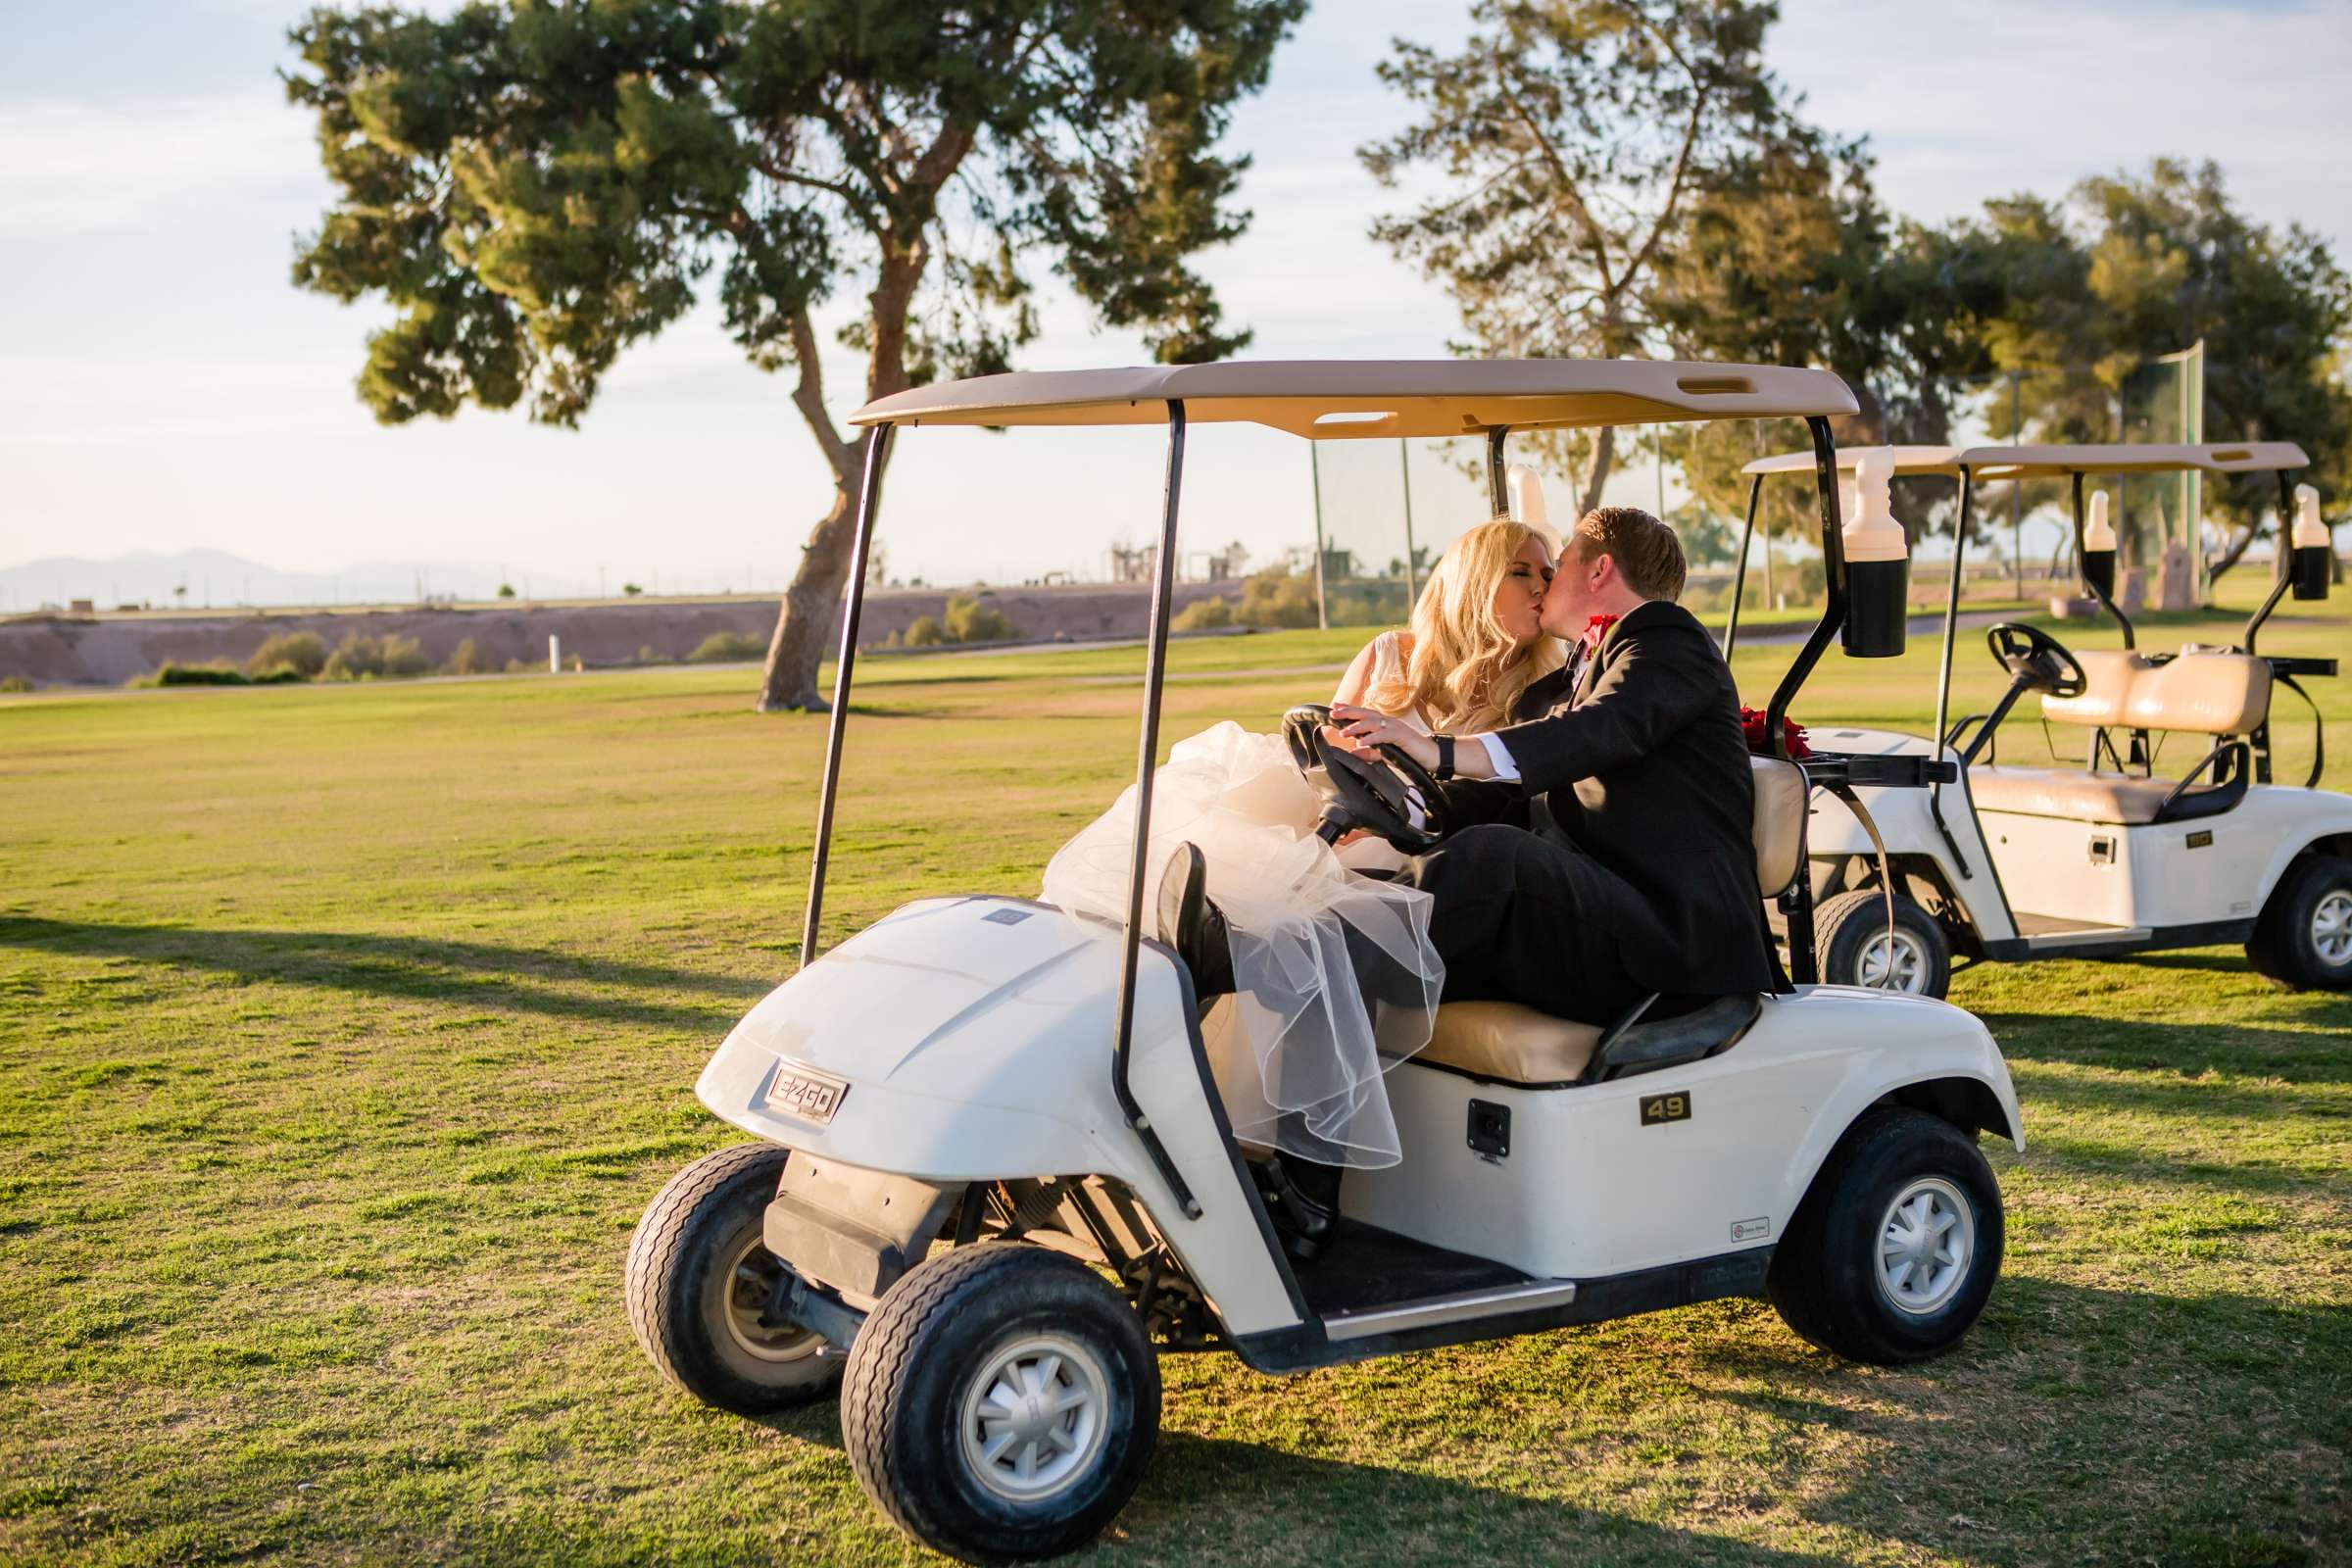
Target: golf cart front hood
{"points": [[936, 1040]]}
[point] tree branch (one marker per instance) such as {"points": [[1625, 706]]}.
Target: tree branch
{"points": [[809, 396], [1593, 237]]}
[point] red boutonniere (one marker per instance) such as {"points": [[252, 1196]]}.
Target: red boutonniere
{"points": [[1598, 628], [1751, 724]]}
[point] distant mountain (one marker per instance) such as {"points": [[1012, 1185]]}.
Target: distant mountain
{"points": [[220, 580]]}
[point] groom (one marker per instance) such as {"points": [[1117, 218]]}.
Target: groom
{"points": [[1604, 850]]}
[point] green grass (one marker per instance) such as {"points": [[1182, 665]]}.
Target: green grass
{"points": [[344, 1031]]}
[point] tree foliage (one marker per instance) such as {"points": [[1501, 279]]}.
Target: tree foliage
{"points": [[534, 187]]}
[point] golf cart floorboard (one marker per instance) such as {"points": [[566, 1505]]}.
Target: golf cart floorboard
{"points": [[1366, 1267]]}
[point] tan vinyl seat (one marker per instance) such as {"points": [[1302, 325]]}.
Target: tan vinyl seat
{"points": [[2218, 694], [2076, 797], [1512, 1044]]}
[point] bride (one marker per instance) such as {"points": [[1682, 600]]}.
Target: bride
{"points": [[1296, 1051]]}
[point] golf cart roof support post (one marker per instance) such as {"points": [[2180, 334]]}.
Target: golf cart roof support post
{"points": [[1832, 562], [2286, 563], [869, 501], [1155, 674], [1498, 488], [2097, 592], [1747, 537], [1951, 619]]}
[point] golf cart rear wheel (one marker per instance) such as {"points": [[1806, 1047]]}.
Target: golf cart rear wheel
{"points": [[2303, 940], [1896, 1246], [1850, 933], [700, 1278], [1001, 1402]]}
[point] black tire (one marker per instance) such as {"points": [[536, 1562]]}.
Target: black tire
{"points": [[914, 1381], [698, 1278], [1827, 1280], [1845, 926], [2285, 948]]}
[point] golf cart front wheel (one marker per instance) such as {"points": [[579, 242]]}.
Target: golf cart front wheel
{"points": [[1896, 1246], [1001, 1403], [1860, 946], [2303, 940], [700, 1279]]}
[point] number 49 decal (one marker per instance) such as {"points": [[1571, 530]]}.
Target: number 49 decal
{"points": [[1658, 1109]]}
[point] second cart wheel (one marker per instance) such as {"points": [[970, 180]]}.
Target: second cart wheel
{"points": [[1850, 933], [1001, 1402], [2303, 939]]}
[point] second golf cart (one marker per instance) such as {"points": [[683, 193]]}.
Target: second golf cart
{"points": [[2120, 854], [992, 1180]]}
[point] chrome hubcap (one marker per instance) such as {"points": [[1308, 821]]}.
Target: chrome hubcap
{"points": [[750, 1279], [1035, 1418], [1926, 1242], [2331, 927], [1899, 965]]}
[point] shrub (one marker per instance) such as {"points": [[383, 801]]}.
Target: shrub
{"points": [[926, 632], [1203, 615], [302, 652], [467, 660], [359, 658], [1278, 597], [971, 621], [727, 648], [506, 590], [199, 676], [16, 683]]}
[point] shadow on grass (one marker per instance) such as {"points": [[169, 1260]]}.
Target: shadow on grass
{"points": [[411, 968], [2317, 1054]]}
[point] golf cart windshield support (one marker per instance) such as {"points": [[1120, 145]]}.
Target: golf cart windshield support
{"points": [[1163, 588], [2083, 568], [1498, 476], [2285, 574], [1832, 566], [1747, 534], [870, 500], [1952, 618]]}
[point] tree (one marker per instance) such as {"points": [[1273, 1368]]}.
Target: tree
{"points": [[2159, 263], [535, 186], [1573, 136]]}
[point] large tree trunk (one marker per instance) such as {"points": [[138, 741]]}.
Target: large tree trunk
{"points": [[805, 621], [1596, 471]]}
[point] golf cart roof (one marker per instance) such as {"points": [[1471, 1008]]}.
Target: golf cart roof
{"points": [[1335, 399], [2047, 463], [1907, 460]]}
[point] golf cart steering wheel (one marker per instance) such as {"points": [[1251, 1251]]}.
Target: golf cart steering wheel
{"points": [[2035, 659], [1358, 793]]}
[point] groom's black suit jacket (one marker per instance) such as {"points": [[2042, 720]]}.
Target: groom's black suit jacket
{"points": [[1643, 769]]}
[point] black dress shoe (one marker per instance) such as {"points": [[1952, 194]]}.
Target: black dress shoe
{"points": [[1304, 1222], [1192, 925]]}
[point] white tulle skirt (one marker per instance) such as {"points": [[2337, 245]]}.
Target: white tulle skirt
{"points": [[1299, 1052]]}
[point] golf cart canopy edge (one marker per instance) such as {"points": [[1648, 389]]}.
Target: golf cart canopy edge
{"points": [[2057, 461], [1907, 460], [1339, 399]]}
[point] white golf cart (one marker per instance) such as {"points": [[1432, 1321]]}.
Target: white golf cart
{"points": [[2020, 863], [993, 1180]]}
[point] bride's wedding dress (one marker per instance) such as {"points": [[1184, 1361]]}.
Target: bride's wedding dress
{"points": [[1296, 1051]]}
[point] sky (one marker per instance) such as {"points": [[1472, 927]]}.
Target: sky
{"points": [[163, 387]]}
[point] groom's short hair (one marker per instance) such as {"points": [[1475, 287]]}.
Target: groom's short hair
{"points": [[1648, 556]]}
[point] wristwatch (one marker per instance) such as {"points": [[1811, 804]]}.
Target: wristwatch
{"points": [[1445, 768]]}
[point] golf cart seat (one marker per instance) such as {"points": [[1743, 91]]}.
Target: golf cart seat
{"points": [[1506, 1043], [2224, 695]]}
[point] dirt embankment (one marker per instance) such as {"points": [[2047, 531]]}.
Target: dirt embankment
{"points": [[109, 650]]}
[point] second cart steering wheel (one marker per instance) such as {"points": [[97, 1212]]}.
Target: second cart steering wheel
{"points": [[2037, 659]]}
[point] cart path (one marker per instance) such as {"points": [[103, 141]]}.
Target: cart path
{"points": [[1776, 636]]}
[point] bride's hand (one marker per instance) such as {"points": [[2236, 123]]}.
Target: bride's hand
{"points": [[1362, 731]]}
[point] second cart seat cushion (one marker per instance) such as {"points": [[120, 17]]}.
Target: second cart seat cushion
{"points": [[2206, 694], [2078, 796], [1504, 1041]]}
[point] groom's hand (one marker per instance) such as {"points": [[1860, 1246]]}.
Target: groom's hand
{"points": [[1363, 731]]}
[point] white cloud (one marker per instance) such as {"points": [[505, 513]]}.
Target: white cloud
{"points": [[78, 168]]}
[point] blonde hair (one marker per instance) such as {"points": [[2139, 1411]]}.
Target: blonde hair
{"points": [[1465, 672]]}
